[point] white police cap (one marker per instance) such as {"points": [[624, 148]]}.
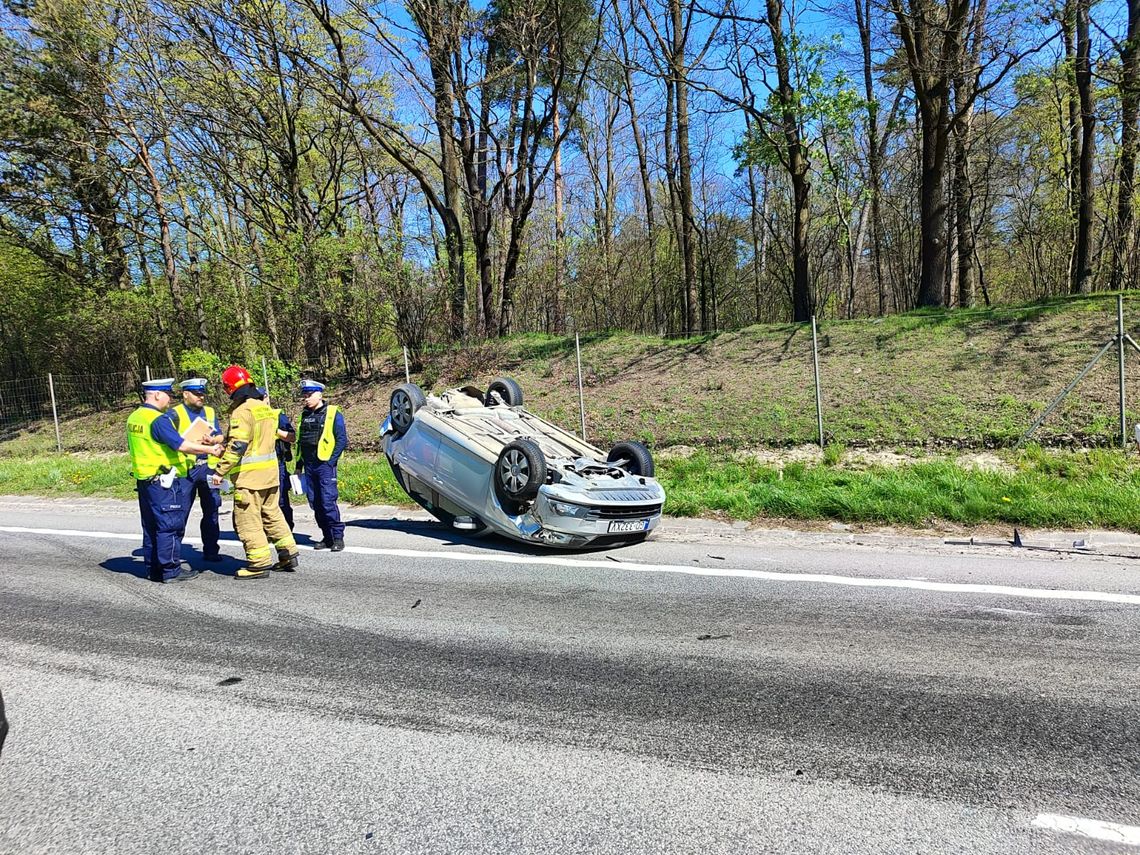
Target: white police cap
{"points": [[308, 386], [194, 384], [166, 384]]}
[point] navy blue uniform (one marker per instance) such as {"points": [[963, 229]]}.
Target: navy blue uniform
{"points": [[198, 484], [163, 511], [322, 473], [284, 455]]}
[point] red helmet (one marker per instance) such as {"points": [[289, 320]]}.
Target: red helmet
{"points": [[234, 378]]}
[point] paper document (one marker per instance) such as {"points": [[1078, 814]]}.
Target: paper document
{"points": [[198, 431]]}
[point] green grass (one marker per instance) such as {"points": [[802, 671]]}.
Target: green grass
{"points": [[1040, 489], [1099, 488]]}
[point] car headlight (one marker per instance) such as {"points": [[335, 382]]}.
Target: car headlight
{"points": [[566, 509]]}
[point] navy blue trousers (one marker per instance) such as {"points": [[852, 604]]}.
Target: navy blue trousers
{"points": [[283, 495], [210, 500], [164, 523], [323, 496]]}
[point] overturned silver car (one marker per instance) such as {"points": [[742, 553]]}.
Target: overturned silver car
{"points": [[478, 460]]}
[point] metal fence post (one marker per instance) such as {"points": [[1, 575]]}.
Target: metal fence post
{"points": [[148, 372], [818, 395], [581, 396], [1120, 356], [54, 414], [407, 370]]}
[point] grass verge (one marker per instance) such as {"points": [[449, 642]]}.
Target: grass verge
{"points": [[1099, 488]]}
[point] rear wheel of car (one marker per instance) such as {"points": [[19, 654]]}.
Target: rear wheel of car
{"points": [[405, 400], [519, 471], [633, 457], [508, 391]]}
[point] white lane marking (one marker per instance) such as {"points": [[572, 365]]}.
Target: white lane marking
{"points": [[1095, 828], [610, 564]]}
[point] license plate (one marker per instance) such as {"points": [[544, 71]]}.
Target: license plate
{"points": [[628, 526]]}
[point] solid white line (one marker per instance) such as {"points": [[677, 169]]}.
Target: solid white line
{"points": [[1095, 828], [610, 564]]}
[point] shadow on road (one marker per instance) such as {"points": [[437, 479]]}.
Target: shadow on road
{"points": [[487, 541]]}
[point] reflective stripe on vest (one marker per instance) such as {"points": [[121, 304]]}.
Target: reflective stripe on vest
{"points": [[183, 420], [148, 456], [327, 442]]}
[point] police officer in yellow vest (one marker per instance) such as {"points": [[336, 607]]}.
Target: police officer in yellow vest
{"points": [[158, 463], [321, 439], [251, 462], [200, 468]]}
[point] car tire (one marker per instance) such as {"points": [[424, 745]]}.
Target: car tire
{"points": [[405, 400], [638, 460], [507, 389], [519, 471]]}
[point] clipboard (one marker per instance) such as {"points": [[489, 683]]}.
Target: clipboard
{"points": [[198, 431]]}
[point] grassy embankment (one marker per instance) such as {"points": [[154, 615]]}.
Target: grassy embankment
{"points": [[938, 399]]}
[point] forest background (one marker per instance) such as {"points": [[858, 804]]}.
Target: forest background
{"points": [[184, 184]]}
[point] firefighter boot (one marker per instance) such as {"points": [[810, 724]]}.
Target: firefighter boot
{"points": [[287, 563]]}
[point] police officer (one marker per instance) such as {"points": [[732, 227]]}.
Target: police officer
{"points": [[321, 440], [200, 468], [251, 461], [158, 462], [286, 436]]}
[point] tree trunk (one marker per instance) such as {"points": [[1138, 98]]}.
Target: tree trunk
{"points": [[554, 304], [1123, 265], [1082, 265], [798, 164], [685, 168]]}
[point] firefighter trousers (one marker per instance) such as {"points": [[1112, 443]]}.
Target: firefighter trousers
{"points": [[259, 523]]}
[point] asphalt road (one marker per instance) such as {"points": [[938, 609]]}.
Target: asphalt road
{"points": [[426, 693]]}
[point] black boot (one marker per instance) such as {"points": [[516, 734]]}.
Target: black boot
{"points": [[337, 545], [287, 564], [323, 544]]}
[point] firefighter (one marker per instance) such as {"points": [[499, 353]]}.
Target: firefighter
{"points": [[200, 468], [286, 436], [251, 462], [321, 439], [158, 462]]}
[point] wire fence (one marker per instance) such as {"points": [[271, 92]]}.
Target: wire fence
{"points": [[1066, 377]]}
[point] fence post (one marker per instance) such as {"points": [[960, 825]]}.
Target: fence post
{"points": [[407, 370], [1120, 356], [264, 374], [148, 372], [818, 396], [581, 397], [54, 414]]}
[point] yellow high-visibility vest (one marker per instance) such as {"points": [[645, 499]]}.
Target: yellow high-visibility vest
{"points": [[182, 414], [148, 456], [327, 442]]}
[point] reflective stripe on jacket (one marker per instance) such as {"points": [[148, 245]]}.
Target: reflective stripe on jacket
{"points": [[148, 456], [255, 423]]}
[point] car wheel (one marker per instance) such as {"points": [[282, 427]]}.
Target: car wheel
{"points": [[633, 457], [509, 392], [404, 402], [520, 471]]}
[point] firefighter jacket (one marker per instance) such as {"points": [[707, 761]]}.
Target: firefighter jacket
{"points": [[250, 459]]}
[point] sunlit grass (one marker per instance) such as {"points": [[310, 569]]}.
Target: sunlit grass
{"points": [[1099, 488]]}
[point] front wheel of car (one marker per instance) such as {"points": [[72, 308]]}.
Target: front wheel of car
{"points": [[405, 400], [633, 457], [508, 391], [519, 471]]}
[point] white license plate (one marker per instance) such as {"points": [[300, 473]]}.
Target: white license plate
{"points": [[628, 526]]}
